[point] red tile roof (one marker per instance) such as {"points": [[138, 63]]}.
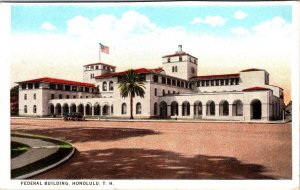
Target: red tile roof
{"points": [[178, 54], [216, 76], [140, 70], [253, 69], [257, 88], [92, 64], [58, 81]]}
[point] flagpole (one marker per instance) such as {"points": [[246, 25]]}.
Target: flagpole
{"points": [[99, 53]]}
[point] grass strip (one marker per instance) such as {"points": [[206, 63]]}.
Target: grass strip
{"points": [[64, 149], [17, 149]]}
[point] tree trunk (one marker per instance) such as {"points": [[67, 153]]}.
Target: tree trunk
{"points": [[131, 110]]}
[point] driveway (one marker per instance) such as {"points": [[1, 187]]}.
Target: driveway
{"points": [[166, 150]]}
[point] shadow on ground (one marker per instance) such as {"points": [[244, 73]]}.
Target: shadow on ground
{"points": [[152, 164], [86, 134]]}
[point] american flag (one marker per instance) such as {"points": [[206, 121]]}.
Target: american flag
{"points": [[104, 49]]}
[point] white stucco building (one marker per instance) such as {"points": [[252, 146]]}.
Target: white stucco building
{"points": [[172, 91]]}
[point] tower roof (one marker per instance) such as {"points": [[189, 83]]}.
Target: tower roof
{"points": [[139, 71]]}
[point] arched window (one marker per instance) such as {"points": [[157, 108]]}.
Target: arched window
{"points": [[124, 108], [25, 109], [111, 85], [112, 109], [173, 69], [104, 86], [138, 108], [34, 109], [34, 96], [155, 108], [185, 108], [25, 96]]}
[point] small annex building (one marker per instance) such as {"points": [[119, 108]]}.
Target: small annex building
{"points": [[172, 91]]}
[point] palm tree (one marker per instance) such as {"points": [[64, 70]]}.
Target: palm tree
{"points": [[131, 85]]}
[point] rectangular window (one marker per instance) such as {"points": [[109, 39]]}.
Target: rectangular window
{"points": [[60, 96], [67, 96], [36, 85], [155, 78], [74, 97], [163, 80], [155, 92], [86, 97], [52, 86], [97, 67], [67, 88], [222, 82], [23, 86], [52, 96], [87, 89], [30, 86], [207, 82]]}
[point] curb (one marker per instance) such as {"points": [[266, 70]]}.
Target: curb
{"points": [[50, 166]]}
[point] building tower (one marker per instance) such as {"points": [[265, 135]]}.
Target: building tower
{"points": [[90, 71], [181, 64]]}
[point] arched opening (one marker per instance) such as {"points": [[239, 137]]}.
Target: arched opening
{"points": [[185, 108], [97, 109], [88, 109], [255, 109], [197, 108], [73, 108], [237, 108], [65, 108], [155, 108], [105, 110], [80, 108], [210, 108], [138, 109], [163, 111], [58, 109], [224, 108], [51, 109], [124, 109], [174, 108]]}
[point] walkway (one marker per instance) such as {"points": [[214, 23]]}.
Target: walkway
{"points": [[39, 149]]}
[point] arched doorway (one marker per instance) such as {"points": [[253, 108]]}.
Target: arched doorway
{"points": [[105, 110], [80, 108], [174, 108], [51, 109], [255, 109], [65, 108], [210, 108], [88, 109], [58, 109], [198, 108], [163, 108], [97, 109], [224, 108], [237, 108], [73, 108], [185, 108]]}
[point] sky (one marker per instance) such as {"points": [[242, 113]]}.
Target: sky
{"points": [[57, 40]]}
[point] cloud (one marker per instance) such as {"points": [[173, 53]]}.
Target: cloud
{"points": [[274, 27], [48, 26], [240, 15], [210, 20], [240, 31]]}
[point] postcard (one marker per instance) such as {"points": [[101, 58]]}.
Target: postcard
{"points": [[150, 95]]}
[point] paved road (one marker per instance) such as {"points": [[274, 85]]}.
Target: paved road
{"points": [[39, 149], [158, 150]]}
